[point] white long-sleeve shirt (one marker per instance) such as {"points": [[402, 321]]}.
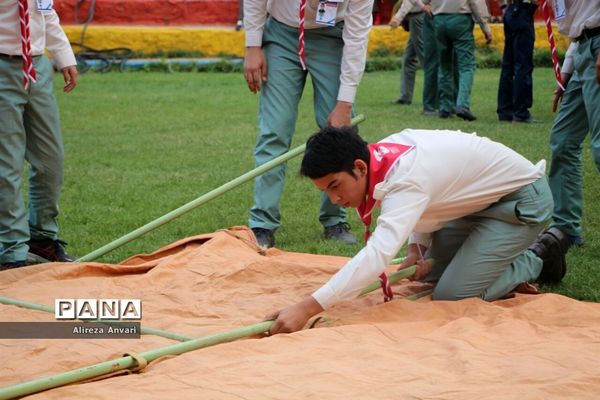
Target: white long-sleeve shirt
{"points": [[357, 16], [45, 33], [580, 15], [447, 175], [408, 7]]}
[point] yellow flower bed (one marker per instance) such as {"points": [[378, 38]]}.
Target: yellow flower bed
{"points": [[384, 37], [218, 41], [151, 40]]}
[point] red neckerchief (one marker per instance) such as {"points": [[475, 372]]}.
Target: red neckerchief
{"points": [[383, 157]]}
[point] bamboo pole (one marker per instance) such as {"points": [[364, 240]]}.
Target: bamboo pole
{"points": [[395, 277], [125, 362], [144, 330], [147, 330], [419, 294], [392, 278], [106, 367], [201, 200]]}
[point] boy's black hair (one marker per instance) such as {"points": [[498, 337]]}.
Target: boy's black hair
{"points": [[333, 150]]}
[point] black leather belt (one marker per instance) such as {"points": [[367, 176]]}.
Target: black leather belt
{"points": [[588, 33], [15, 57], [521, 2], [10, 57]]}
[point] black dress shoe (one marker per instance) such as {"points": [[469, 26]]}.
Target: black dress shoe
{"points": [[264, 237], [550, 246], [341, 233], [528, 120], [49, 250], [445, 114], [465, 114], [402, 102]]}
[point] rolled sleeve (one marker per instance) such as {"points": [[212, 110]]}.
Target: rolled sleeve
{"points": [[423, 239], [57, 42], [255, 15], [406, 7], [357, 25], [567, 67], [480, 13], [325, 296]]}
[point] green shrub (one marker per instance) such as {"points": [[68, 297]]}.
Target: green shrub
{"points": [[485, 57], [385, 52], [383, 64], [380, 59], [488, 59], [543, 58]]}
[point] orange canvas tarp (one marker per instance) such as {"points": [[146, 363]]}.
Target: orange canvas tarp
{"points": [[528, 347]]}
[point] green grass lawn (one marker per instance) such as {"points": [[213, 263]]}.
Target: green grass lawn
{"points": [[139, 145]]}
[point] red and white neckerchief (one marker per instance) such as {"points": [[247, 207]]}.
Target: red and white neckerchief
{"points": [[28, 70], [548, 20], [301, 34], [383, 157]]}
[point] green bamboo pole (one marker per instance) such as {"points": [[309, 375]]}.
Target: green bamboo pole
{"points": [[65, 378], [419, 294], [147, 330], [125, 362], [144, 330], [392, 278], [201, 200]]}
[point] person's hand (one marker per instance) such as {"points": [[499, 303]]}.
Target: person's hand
{"points": [[598, 69], [255, 68], [428, 9], [294, 317], [415, 256], [70, 75], [394, 23], [488, 37], [423, 269], [558, 92], [341, 115], [409, 261]]}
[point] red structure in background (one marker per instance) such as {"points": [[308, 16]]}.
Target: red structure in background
{"points": [[186, 12], [150, 12]]}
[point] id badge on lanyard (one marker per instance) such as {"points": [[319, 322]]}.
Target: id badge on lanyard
{"points": [[560, 11], [44, 6], [327, 12]]}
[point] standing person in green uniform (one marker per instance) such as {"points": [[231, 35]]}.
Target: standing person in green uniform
{"points": [[30, 131], [579, 112], [286, 41], [431, 64], [453, 21], [410, 13]]}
